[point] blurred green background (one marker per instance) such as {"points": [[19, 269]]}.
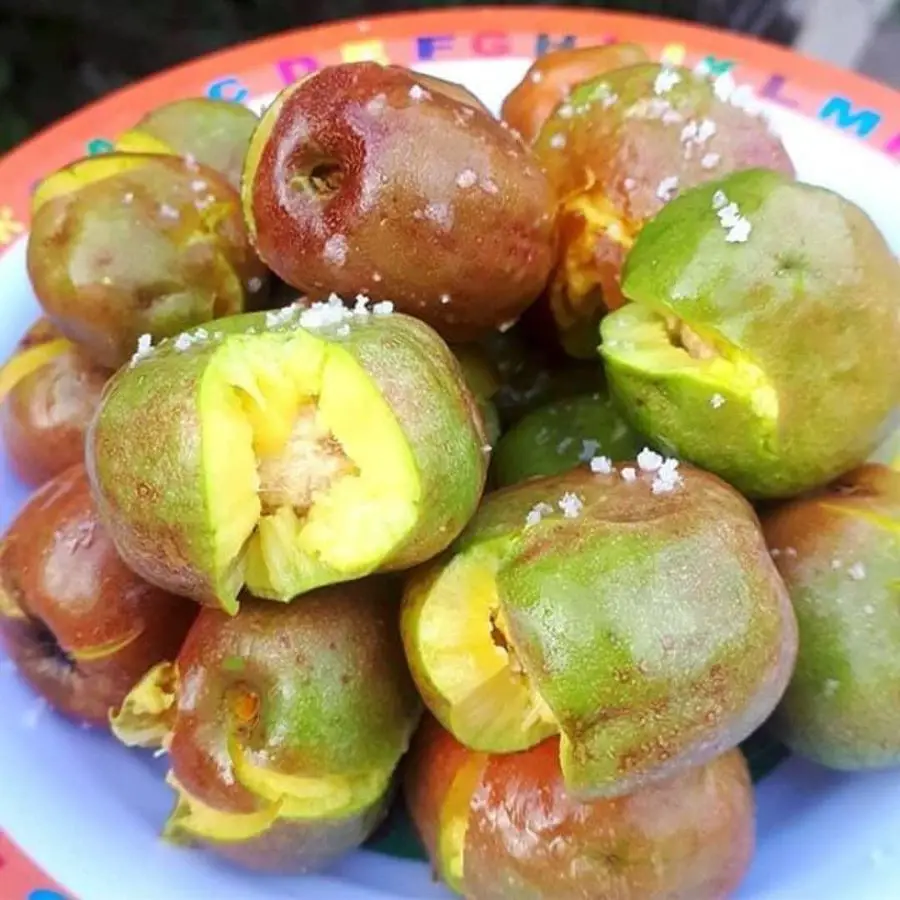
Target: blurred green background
{"points": [[57, 55]]}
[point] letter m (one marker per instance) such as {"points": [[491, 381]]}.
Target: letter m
{"points": [[840, 109]]}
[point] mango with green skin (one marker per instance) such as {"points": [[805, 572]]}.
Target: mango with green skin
{"points": [[636, 613], [621, 147], [287, 450], [564, 434], [127, 244], [838, 551], [283, 725], [506, 827], [214, 133], [761, 340]]}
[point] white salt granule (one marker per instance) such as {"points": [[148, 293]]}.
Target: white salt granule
{"points": [[537, 512], [791, 551], [323, 314], [376, 277], [503, 327], [737, 227], [717, 401], [724, 86], [629, 184], [282, 316], [383, 308], [558, 141], [128, 198], [589, 448], [144, 348], [719, 200], [360, 308], [466, 179], [343, 331], [857, 571], [629, 474], [774, 553], [335, 250], [536, 77], [710, 160], [649, 461], [665, 81], [689, 132], [739, 233], [706, 130], [565, 111], [570, 505], [418, 93], [254, 285], [667, 478], [601, 465], [489, 186], [445, 299], [168, 212], [666, 189], [198, 184]]}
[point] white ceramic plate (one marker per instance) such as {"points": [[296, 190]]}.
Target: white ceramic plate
{"points": [[80, 811]]}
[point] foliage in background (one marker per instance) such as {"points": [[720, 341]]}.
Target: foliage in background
{"points": [[57, 55]]}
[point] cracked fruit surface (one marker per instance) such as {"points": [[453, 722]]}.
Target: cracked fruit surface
{"points": [[283, 725], [506, 827], [564, 434], [214, 133], [80, 627], [365, 178], [287, 457], [839, 554], [772, 361], [127, 244], [648, 627], [49, 393], [551, 79], [616, 152]]}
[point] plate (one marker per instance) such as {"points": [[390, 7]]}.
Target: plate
{"points": [[80, 814]]}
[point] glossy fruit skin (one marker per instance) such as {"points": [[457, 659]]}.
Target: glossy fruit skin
{"points": [[472, 221], [552, 77], [331, 697], [688, 838], [214, 133], [611, 153], [562, 435], [653, 625], [809, 301], [151, 491], [155, 248], [59, 573], [838, 551], [46, 413]]}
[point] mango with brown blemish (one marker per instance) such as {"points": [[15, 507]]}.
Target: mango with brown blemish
{"points": [[81, 628], [616, 152], [127, 244], [506, 827], [283, 726], [49, 393], [368, 179], [286, 451], [637, 614], [838, 551]]}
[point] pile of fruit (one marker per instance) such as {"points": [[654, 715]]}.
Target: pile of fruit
{"points": [[554, 426]]}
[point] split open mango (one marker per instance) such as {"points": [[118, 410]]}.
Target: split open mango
{"points": [[287, 457]]}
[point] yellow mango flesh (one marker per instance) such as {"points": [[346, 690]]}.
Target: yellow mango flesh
{"points": [[27, 361], [84, 171], [252, 393]]}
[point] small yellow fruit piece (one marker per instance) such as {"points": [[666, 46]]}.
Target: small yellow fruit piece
{"points": [[84, 171], [27, 361]]}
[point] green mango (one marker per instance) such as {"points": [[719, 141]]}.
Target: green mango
{"points": [[839, 554], [635, 613], [283, 725], [561, 435], [762, 337], [287, 451]]}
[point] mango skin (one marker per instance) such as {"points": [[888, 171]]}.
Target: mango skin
{"points": [[472, 221], [621, 142], [551, 78], [144, 447], [60, 577], [301, 847], [688, 838], [107, 270], [328, 695], [214, 133], [564, 434], [810, 299], [654, 626], [45, 415], [839, 554]]}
